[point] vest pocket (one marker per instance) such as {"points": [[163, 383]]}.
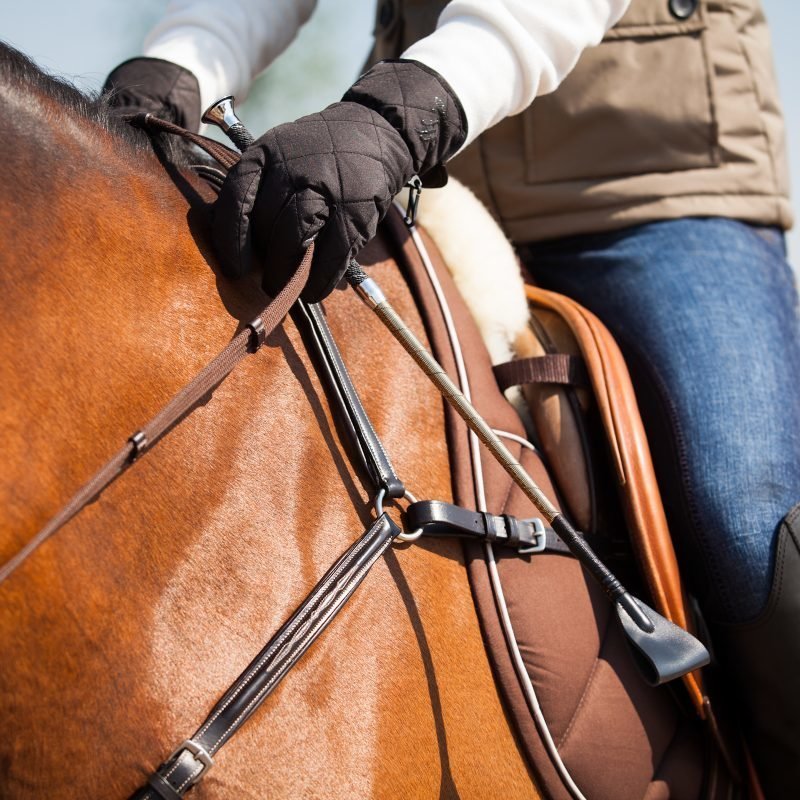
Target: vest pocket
{"points": [[639, 102]]}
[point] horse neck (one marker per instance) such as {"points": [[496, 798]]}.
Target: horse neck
{"points": [[128, 623], [102, 279], [97, 202]]}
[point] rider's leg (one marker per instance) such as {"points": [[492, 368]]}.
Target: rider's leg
{"points": [[706, 312]]}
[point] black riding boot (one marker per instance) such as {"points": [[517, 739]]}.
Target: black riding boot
{"points": [[766, 655]]}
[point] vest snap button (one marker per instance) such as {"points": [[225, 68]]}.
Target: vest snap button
{"points": [[682, 9]]}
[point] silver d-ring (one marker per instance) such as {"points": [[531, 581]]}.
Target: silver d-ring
{"points": [[404, 536]]}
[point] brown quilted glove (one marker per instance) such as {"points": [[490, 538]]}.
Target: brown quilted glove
{"points": [[331, 176], [156, 86]]}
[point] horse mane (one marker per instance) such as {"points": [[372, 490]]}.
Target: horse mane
{"points": [[22, 82]]}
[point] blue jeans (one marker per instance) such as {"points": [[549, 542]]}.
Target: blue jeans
{"points": [[706, 313]]}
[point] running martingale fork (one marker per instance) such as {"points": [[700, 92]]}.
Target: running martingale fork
{"points": [[664, 651]]}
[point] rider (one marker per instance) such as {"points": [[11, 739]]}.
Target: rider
{"points": [[650, 185]]}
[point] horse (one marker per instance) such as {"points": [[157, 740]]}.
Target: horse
{"points": [[122, 630]]}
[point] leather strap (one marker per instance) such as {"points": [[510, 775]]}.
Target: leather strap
{"points": [[248, 340], [560, 368], [218, 151], [192, 759], [437, 518], [310, 317]]}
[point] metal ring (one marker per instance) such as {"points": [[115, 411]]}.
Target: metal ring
{"points": [[404, 536]]}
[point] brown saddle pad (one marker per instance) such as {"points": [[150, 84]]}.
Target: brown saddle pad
{"points": [[585, 718]]}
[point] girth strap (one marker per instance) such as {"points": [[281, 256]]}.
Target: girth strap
{"points": [[192, 759], [310, 318]]}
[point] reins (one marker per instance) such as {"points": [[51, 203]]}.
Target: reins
{"points": [[248, 340]]}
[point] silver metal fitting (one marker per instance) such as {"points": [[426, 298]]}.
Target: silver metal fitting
{"points": [[199, 753], [370, 293], [539, 534], [222, 114]]}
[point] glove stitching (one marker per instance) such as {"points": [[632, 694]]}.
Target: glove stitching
{"points": [[350, 232], [298, 228], [338, 168], [287, 172], [405, 121], [240, 245], [333, 153], [402, 100], [380, 147], [167, 104]]}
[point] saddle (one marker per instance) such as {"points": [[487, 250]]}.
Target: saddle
{"points": [[587, 721]]}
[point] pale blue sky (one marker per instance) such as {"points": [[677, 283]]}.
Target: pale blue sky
{"points": [[84, 39]]}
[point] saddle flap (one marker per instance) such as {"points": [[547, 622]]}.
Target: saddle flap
{"points": [[628, 449]]}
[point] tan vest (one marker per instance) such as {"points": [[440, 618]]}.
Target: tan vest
{"points": [[665, 118]]}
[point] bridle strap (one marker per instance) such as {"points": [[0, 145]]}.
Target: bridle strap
{"points": [[248, 340], [192, 759]]}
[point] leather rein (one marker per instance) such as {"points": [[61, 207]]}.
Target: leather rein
{"points": [[191, 760]]}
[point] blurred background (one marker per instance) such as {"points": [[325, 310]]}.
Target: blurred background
{"points": [[84, 39]]}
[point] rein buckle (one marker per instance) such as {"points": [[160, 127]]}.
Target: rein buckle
{"points": [[198, 752]]}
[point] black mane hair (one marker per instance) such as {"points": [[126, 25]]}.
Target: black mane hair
{"points": [[21, 75]]}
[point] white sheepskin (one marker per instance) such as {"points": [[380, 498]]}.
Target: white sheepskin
{"points": [[482, 263], [485, 270]]}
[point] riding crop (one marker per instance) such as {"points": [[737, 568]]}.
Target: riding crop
{"points": [[665, 650]]}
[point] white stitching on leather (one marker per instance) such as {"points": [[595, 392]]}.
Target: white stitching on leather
{"points": [[366, 421], [310, 634], [320, 589]]}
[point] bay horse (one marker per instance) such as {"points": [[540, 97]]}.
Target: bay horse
{"points": [[123, 629]]}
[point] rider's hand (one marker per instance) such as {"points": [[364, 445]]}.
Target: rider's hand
{"points": [[156, 86], [332, 175]]}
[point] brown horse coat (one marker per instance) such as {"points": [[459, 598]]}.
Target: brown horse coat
{"points": [[122, 631]]}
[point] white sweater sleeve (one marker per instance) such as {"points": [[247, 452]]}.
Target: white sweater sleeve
{"points": [[498, 55], [226, 43]]}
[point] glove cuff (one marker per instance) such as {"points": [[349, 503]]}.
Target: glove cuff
{"points": [[419, 104], [159, 87]]}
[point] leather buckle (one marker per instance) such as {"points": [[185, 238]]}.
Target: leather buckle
{"points": [[538, 536], [198, 752]]}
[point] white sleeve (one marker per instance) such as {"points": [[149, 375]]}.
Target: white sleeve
{"points": [[498, 55], [226, 43]]}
